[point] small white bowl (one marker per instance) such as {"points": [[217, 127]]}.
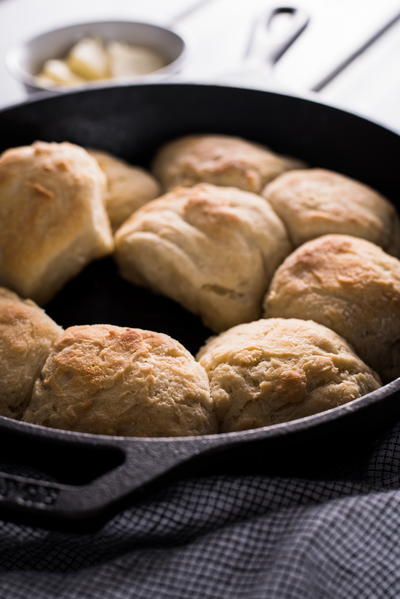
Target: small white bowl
{"points": [[25, 60]]}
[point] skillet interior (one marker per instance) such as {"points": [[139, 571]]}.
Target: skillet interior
{"points": [[132, 122]]}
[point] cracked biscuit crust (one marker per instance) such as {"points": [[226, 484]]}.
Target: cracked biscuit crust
{"points": [[27, 335], [316, 202], [349, 285], [220, 160], [119, 381], [275, 370], [212, 249], [52, 217]]}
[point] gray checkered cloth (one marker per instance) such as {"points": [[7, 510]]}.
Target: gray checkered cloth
{"points": [[230, 537]]}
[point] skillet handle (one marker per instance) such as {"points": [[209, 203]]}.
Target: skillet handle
{"points": [[265, 47], [52, 504]]}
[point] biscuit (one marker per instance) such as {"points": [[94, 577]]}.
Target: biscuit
{"points": [[316, 202], [212, 249], [220, 160], [52, 217], [128, 187], [119, 381], [27, 335], [275, 370], [349, 285]]}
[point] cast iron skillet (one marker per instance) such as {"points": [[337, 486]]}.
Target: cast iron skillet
{"points": [[70, 477]]}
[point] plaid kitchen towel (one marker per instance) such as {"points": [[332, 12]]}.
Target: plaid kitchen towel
{"points": [[230, 536]]}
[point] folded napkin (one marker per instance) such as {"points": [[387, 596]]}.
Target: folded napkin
{"points": [[229, 536]]}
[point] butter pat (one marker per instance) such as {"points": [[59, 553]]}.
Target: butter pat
{"points": [[57, 72], [127, 60], [89, 60], [92, 59]]}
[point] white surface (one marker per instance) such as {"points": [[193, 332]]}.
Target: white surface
{"points": [[372, 85], [217, 35]]}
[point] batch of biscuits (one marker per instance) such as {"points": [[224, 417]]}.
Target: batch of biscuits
{"points": [[295, 270]]}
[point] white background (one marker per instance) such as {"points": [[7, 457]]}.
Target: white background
{"points": [[217, 34]]}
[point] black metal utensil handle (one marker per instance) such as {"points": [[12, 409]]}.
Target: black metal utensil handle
{"points": [[134, 462], [265, 48]]}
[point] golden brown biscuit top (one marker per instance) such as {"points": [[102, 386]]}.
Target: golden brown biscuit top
{"points": [[120, 174], [115, 380], [349, 285], [218, 159], [128, 187], [315, 202], [49, 158], [339, 262], [26, 337], [274, 370], [136, 343], [95, 358], [211, 248], [22, 324], [211, 209], [47, 192], [276, 338], [14, 310]]}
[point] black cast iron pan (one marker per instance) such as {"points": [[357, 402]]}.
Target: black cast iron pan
{"points": [[66, 477]]}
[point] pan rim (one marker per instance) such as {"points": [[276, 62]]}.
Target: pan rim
{"points": [[309, 97], [271, 431]]}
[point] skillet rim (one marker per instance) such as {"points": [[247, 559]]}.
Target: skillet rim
{"points": [[308, 96], [265, 432]]}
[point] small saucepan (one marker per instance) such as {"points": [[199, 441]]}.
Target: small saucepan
{"points": [[25, 60]]}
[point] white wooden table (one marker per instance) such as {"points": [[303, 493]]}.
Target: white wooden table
{"points": [[217, 34]]}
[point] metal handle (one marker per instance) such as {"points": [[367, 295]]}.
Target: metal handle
{"points": [[265, 48], [53, 502], [130, 464]]}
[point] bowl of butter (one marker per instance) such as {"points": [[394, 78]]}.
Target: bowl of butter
{"points": [[96, 53]]}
